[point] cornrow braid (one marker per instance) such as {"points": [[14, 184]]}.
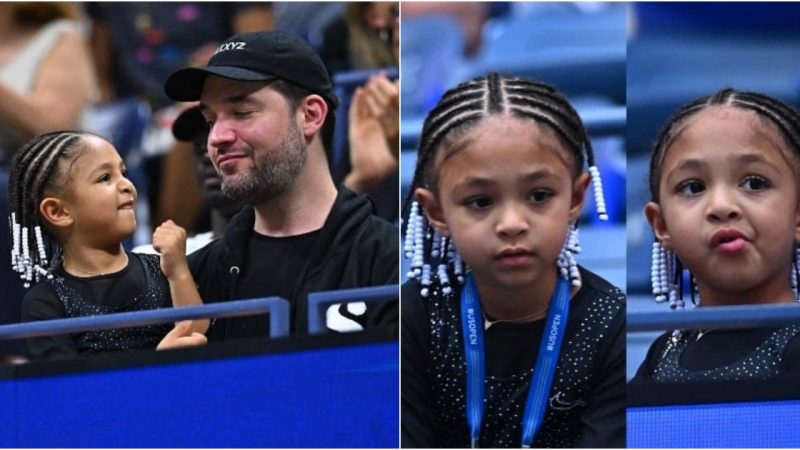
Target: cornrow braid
{"points": [[666, 277], [785, 117], [32, 170], [460, 109]]}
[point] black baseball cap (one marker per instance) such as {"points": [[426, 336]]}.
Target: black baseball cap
{"points": [[189, 125], [257, 56]]}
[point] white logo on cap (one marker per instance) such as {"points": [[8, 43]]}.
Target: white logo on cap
{"points": [[230, 46]]}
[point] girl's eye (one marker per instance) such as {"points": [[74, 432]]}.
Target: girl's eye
{"points": [[691, 187], [104, 177], [755, 183], [540, 196], [478, 203]]}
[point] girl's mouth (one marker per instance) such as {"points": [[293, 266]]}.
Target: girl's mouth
{"points": [[728, 241]]}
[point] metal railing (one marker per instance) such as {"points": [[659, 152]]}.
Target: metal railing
{"points": [[276, 306], [747, 316]]}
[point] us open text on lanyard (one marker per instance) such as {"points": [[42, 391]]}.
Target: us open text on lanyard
{"points": [[543, 371]]}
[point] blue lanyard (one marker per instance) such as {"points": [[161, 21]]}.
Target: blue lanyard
{"points": [[543, 372]]}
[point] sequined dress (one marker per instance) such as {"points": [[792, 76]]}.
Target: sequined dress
{"points": [[587, 399], [139, 286]]}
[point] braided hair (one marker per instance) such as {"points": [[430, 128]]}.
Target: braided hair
{"points": [[34, 172], [461, 109], [667, 267], [785, 117]]}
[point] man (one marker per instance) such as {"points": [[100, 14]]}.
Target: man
{"points": [[270, 107]]}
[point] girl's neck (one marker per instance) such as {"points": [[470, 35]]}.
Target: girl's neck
{"points": [[761, 295], [87, 261], [517, 304]]}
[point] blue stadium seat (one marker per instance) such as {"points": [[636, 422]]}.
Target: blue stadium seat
{"points": [[580, 53], [431, 46]]}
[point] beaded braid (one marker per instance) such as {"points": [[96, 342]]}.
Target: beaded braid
{"points": [[460, 109], [33, 169], [667, 270]]}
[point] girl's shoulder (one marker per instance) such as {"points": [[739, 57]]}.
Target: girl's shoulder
{"points": [[42, 289], [599, 300], [791, 358], [595, 286], [148, 261], [41, 302]]}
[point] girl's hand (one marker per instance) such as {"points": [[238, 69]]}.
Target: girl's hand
{"points": [[170, 241], [182, 336]]}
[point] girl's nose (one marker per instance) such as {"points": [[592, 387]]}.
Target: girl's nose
{"points": [[722, 205], [511, 222], [127, 187]]}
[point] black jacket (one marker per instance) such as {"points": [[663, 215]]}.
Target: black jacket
{"points": [[355, 248]]}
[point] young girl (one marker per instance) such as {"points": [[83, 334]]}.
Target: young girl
{"points": [[513, 345], [69, 188], [725, 205]]}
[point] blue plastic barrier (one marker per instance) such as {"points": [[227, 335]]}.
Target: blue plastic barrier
{"points": [[318, 302]]}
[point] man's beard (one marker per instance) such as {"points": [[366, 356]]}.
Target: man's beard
{"points": [[273, 171]]}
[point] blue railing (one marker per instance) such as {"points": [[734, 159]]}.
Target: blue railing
{"points": [[716, 317], [276, 306], [318, 302]]}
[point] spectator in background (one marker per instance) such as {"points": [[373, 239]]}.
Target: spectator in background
{"points": [[470, 16], [364, 38], [138, 44], [373, 136], [46, 77]]}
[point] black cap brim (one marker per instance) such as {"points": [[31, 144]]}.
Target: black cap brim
{"points": [[186, 85]]}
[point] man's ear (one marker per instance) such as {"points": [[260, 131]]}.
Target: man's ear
{"points": [[433, 210], [578, 196], [655, 217], [55, 212], [313, 111]]}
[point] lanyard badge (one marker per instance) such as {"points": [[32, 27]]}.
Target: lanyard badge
{"points": [[543, 372]]}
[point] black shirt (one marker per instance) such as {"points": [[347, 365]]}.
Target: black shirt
{"points": [[272, 274], [756, 354], [354, 248], [587, 399], [139, 286]]}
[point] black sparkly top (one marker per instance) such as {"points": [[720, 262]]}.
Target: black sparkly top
{"points": [[587, 398], [723, 355], [139, 286]]}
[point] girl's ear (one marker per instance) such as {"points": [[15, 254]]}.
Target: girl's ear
{"points": [[578, 196], [652, 211], [433, 210], [55, 212]]}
